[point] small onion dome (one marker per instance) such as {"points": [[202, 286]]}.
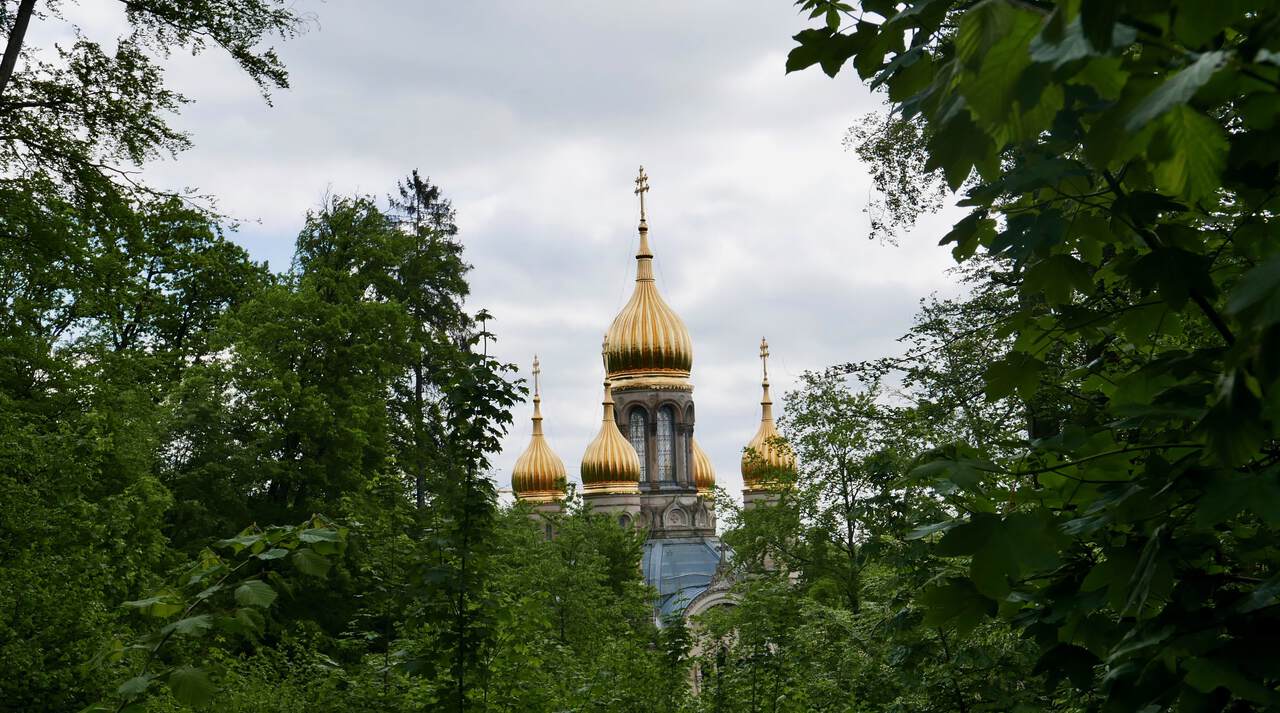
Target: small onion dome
{"points": [[704, 476], [648, 342], [767, 453], [610, 464], [538, 475]]}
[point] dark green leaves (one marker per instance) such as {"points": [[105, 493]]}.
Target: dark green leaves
{"points": [[310, 562], [824, 47], [1177, 90], [191, 686], [1258, 293], [955, 603], [255, 593], [1016, 373], [1198, 154]]}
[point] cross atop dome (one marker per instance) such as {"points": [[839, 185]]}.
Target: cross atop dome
{"points": [[642, 187], [764, 358]]}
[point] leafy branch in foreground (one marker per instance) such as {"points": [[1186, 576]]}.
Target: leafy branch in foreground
{"points": [[216, 593], [1118, 164]]}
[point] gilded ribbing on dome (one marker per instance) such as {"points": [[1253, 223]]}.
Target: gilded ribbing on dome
{"points": [[610, 464], [648, 342], [538, 475], [704, 476], [767, 453]]}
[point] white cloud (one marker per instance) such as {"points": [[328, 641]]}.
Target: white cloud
{"points": [[533, 118]]}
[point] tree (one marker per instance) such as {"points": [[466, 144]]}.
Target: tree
{"points": [[834, 618], [1113, 159], [88, 115]]}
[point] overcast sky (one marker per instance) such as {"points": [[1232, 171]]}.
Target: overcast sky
{"points": [[533, 117]]}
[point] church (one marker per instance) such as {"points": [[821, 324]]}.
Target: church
{"points": [[645, 467]]}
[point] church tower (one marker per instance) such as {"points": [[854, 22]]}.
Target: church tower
{"points": [[611, 469], [538, 477], [648, 359], [767, 460]]}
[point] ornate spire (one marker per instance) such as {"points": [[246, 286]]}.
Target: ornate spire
{"points": [[610, 464], [648, 343], [766, 402], [537, 398], [538, 475], [767, 453], [644, 256], [608, 388]]}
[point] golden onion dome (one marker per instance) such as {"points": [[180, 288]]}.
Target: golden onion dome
{"points": [[648, 342], [610, 464], [704, 476], [767, 453], [538, 475]]}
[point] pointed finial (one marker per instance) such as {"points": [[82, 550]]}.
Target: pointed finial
{"points": [[608, 387], [537, 398], [642, 187], [766, 401], [764, 358]]}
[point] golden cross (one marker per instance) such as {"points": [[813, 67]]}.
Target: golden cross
{"points": [[764, 357], [537, 369], [642, 187]]}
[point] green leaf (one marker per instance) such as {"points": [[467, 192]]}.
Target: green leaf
{"points": [[1073, 44], [321, 534], [956, 602], [239, 542], [191, 686], [251, 619], [191, 626], [1258, 293], [1196, 21], [1264, 595], [309, 562], [1174, 273], [1098, 19], [135, 686], [1105, 74], [159, 606], [1058, 277], [1017, 372], [1199, 154], [274, 553], [1207, 675], [255, 593], [1176, 90], [981, 28], [926, 530], [969, 537], [972, 230], [957, 147]]}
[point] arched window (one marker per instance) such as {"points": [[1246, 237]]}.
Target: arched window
{"points": [[636, 433], [666, 443]]}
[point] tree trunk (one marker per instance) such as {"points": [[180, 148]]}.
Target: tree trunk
{"points": [[11, 50]]}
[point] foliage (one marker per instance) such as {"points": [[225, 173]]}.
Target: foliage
{"points": [[893, 150], [89, 115], [217, 596], [831, 614], [1118, 170]]}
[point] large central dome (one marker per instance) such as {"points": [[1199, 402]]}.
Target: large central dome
{"points": [[648, 342]]}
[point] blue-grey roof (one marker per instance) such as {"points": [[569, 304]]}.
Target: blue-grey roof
{"points": [[680, 569]]}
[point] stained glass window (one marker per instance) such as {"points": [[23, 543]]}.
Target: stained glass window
{"points": [[636, 431], [666, 443]]}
